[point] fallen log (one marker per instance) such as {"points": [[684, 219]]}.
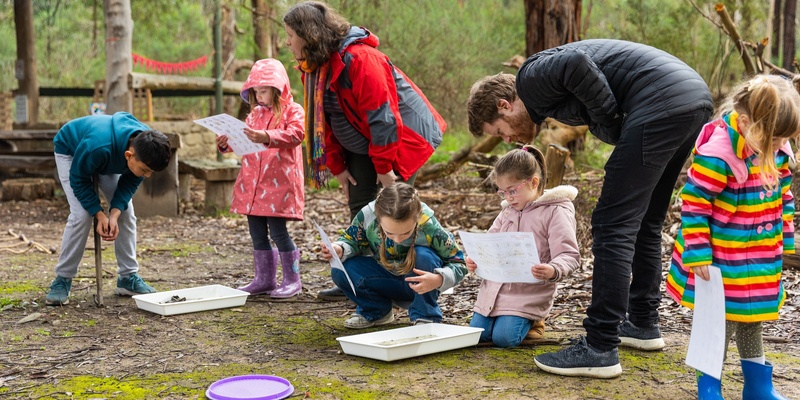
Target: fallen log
{"points": [[456, 160]]}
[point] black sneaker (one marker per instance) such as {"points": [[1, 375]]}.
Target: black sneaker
{"points": [[581, 360], [647, 339], [332, 294]]}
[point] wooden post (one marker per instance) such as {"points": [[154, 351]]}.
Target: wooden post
{"points": [[119, 33], [25, 70], [556, 165]]}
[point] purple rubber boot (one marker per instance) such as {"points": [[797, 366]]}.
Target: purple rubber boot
{"points": [[291, 286], [266, 265]]}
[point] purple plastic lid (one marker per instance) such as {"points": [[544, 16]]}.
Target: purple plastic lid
{"points": [[250, 387]]}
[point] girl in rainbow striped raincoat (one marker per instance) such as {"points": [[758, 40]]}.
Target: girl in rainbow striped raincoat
{"points": [[737, 215]]}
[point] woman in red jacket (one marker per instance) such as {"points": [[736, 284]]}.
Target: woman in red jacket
{"points": [[366, 122]]}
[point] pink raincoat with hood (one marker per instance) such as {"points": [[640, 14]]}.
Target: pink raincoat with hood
{"points": [[270, 182]]}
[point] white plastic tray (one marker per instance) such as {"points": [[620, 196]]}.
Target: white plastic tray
{"points": [[412, 341], [200, 298]]}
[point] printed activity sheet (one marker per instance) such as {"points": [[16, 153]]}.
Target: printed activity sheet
{"points": [[706, 350], [502, 256], [224, 124], [336, 263]]}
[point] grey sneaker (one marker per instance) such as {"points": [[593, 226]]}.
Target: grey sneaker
{"points": [[581, 360], [132, 285], [59, 292], [647, 339], [357, 321]]}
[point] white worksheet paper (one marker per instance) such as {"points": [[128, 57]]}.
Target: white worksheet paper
{"points": [[336, 263], [502, 256], [707, 343], [224, 124]]}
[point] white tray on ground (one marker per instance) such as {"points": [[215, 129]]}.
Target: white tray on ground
{"points": [[200, 298], [411, 341]]}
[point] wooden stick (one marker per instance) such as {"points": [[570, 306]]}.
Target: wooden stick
{"points": [[98, 256], [730, 27]]}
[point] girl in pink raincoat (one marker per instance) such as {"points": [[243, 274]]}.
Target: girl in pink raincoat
{"points": [[269, 188]]}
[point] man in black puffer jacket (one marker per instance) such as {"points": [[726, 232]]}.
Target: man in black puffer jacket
{"points": [[651, 106]]}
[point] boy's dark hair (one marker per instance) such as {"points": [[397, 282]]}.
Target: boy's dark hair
{"points": [[152, 148]]}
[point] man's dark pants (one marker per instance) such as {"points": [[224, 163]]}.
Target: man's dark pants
{"points": [[639, 182]]}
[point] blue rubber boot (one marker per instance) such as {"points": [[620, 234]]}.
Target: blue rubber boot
{"points": [[708, 387], [758, 382]]}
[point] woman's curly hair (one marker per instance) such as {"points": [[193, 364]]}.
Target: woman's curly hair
{"points": [[320, 26]]}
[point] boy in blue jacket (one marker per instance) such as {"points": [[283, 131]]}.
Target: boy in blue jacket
{"points": [[118, 151]]}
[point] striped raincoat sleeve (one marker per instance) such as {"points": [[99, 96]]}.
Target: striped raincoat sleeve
{"points": [[788, 204], [707, 178]]}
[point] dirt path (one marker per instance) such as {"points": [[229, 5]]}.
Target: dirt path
{"points": [[80, 351]]}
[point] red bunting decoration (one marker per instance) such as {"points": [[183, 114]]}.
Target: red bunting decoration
{"points": [[169, 68]]}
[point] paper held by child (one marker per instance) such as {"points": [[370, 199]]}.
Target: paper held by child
{"points": [[224, 124], [706, 351], [336, 263], [502, 256]]}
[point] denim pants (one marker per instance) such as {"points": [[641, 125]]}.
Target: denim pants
{"points": [[377, 289], [639, 182], [503, 330], [79, 224]]}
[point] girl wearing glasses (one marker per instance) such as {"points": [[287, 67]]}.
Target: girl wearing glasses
{"points": [[396, 253], [510, 312]]}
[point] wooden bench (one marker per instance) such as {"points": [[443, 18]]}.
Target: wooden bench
{"points": [[219, 178]]}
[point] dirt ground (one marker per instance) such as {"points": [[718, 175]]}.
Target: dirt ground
{"points": [[81, 351]]}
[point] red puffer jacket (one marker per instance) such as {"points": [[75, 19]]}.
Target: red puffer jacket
{"points": [[382, 104]]}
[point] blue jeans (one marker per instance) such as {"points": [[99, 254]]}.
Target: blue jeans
{"points": [[639, 181], [503, 330], [377, 288]]}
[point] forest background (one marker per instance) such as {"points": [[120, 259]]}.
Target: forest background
{"points": [[443, 45]]}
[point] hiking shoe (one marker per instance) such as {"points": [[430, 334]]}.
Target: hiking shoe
{"points": [[581, 360], [332, 294], [132, 285], [59, 292], [357, 321], [647, 339], [537, 330]]}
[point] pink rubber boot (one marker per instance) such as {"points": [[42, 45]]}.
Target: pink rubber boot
{"points": [[291, 286], [266, 265]]}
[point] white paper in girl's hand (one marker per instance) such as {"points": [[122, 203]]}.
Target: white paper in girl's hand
{"points": [[502, 256], [707, 343], [336, 263], [224, 124]]}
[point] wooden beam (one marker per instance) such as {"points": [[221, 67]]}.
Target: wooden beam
{"points": [[138, 80]]}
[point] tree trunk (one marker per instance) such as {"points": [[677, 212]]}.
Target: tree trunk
{"points": [[119, 34], [262, 32], [26, 57], [776, 38], [550, 23], [789, 12], [228, 53]]}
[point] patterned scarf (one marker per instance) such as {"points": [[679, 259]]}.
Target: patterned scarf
{"points": [[314, 89]]}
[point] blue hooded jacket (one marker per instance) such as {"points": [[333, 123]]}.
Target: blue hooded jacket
{"points": [[97, 144]]}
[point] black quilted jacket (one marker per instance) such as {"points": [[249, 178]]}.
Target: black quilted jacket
{"points": [[601, 82]]}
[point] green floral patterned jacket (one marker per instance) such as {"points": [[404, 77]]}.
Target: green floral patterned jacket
{"points": [[363, 238]]}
